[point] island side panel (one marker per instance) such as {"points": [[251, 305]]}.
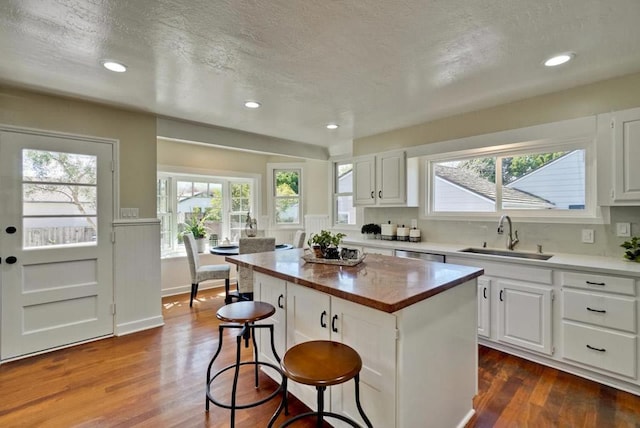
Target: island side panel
{"points": [[437, 359]]}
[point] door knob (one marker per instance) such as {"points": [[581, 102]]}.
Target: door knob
{"points": [[11, 260], [10, 230]]}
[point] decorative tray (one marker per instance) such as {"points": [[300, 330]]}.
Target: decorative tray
{"points": [[310, 258]]}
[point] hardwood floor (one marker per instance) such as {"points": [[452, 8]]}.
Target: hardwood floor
{"points": [[156, 378]]}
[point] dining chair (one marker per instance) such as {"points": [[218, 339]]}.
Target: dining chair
{"points": [[298, 239], [199, 272], [245, 275]]}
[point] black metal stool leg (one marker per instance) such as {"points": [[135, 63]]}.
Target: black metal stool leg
{"points": [[235, 380], [255, 353], [320, 405], [220, 328], [366, 420]]}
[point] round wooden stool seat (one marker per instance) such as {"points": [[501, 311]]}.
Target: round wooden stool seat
{"points": [[245, 312], [321, 363]]}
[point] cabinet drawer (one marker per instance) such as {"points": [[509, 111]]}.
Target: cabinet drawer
{"points": [[599, 309], [606, 350], [588, 281]]}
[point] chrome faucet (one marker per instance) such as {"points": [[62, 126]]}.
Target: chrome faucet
{"points": [[511, 243]]}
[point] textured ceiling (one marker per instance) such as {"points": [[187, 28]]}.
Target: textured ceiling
{"points": [[369, 65]]}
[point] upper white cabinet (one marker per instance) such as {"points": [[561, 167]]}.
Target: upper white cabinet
{"points": [[385, 179], [618, 156]]}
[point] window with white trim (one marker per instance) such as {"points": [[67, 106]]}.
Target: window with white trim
{"points": [[529, 181], [344, 213], [286, 195], [221, 203]]}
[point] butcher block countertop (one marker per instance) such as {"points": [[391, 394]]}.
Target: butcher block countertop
{"points": [[385, 283]]}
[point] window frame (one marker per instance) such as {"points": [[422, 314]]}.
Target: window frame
{"points": [[272, 168], [225, 178], [335, 194], [591, 213]]}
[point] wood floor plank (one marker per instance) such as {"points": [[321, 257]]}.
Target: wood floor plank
{"points": [[156, 378]]}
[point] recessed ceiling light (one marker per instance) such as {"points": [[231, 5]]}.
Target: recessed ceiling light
{"points": [[114, 66], [252, 104], [559, 59], [332, 126]]}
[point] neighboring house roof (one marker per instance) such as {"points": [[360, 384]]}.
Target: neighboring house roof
{"points": [[561, 181], [483, 187]]}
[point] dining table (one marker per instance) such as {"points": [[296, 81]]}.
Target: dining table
{"points": [[234, 249]]}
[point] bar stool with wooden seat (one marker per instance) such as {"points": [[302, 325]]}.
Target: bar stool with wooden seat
{"points": [[243, 316], [321, 363]]}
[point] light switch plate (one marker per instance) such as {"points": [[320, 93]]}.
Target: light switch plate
{"points": [[587, 236], [623, 229]]}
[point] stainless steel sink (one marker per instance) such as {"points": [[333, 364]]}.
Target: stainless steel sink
{"points": [[507, 253]]}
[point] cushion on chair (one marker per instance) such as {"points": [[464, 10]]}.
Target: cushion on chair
{"points": [[207, 272]]}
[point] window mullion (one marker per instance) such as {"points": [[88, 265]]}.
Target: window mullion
{"points": [[498, 175]]}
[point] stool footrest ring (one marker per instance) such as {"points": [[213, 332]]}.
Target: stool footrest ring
{"points": [[326, 414], [247, 405]]}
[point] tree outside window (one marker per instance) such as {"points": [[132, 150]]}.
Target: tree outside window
{"points": [[287, 196]]}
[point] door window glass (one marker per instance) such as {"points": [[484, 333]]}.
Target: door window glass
{"points": [[59, 198]]}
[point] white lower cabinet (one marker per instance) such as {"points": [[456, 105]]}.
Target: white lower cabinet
{"points": [[515, 304], [312, 315], [484, 307], [582, 321], [600, 323], [274, 291], [524, 315], [603, 349]]}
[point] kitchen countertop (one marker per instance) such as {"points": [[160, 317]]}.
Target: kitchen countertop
{"points": [[611, 265], [381, 282]]}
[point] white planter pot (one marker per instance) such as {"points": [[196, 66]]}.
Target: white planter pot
{"points": [[201, 244]]}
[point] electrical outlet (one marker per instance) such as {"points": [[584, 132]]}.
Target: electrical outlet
{"points": [[587, 236], [623, 229]]}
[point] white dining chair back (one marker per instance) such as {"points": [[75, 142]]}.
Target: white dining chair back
{"points": [[251, 246], [200, 272], [298, 239]]}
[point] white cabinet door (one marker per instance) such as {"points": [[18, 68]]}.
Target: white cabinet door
{"points": [[382, 179], [626, 140], [364, 180], [524, 315], [274, 291], [484, 307], [391, 178], [308, 318], [372, 334]]}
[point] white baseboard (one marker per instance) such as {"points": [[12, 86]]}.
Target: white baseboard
{"points": [[463, 423], [139, 325], [185, 289]]}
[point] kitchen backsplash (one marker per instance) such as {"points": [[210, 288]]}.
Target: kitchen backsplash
{"points": [[554, 237]]}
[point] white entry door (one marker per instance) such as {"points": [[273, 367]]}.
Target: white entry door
{"points": [[56, 210]]}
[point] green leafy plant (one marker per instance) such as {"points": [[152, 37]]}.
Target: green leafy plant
{"points": [[325, 238], [196, 225], [633, 249], [371, 228]]}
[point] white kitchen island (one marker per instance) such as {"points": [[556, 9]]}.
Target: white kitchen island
{"points": [[412, 322]]}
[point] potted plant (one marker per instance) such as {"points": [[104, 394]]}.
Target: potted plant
{"points": [[371, 230], [633, 249], [320, 242], [196, 225]]}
